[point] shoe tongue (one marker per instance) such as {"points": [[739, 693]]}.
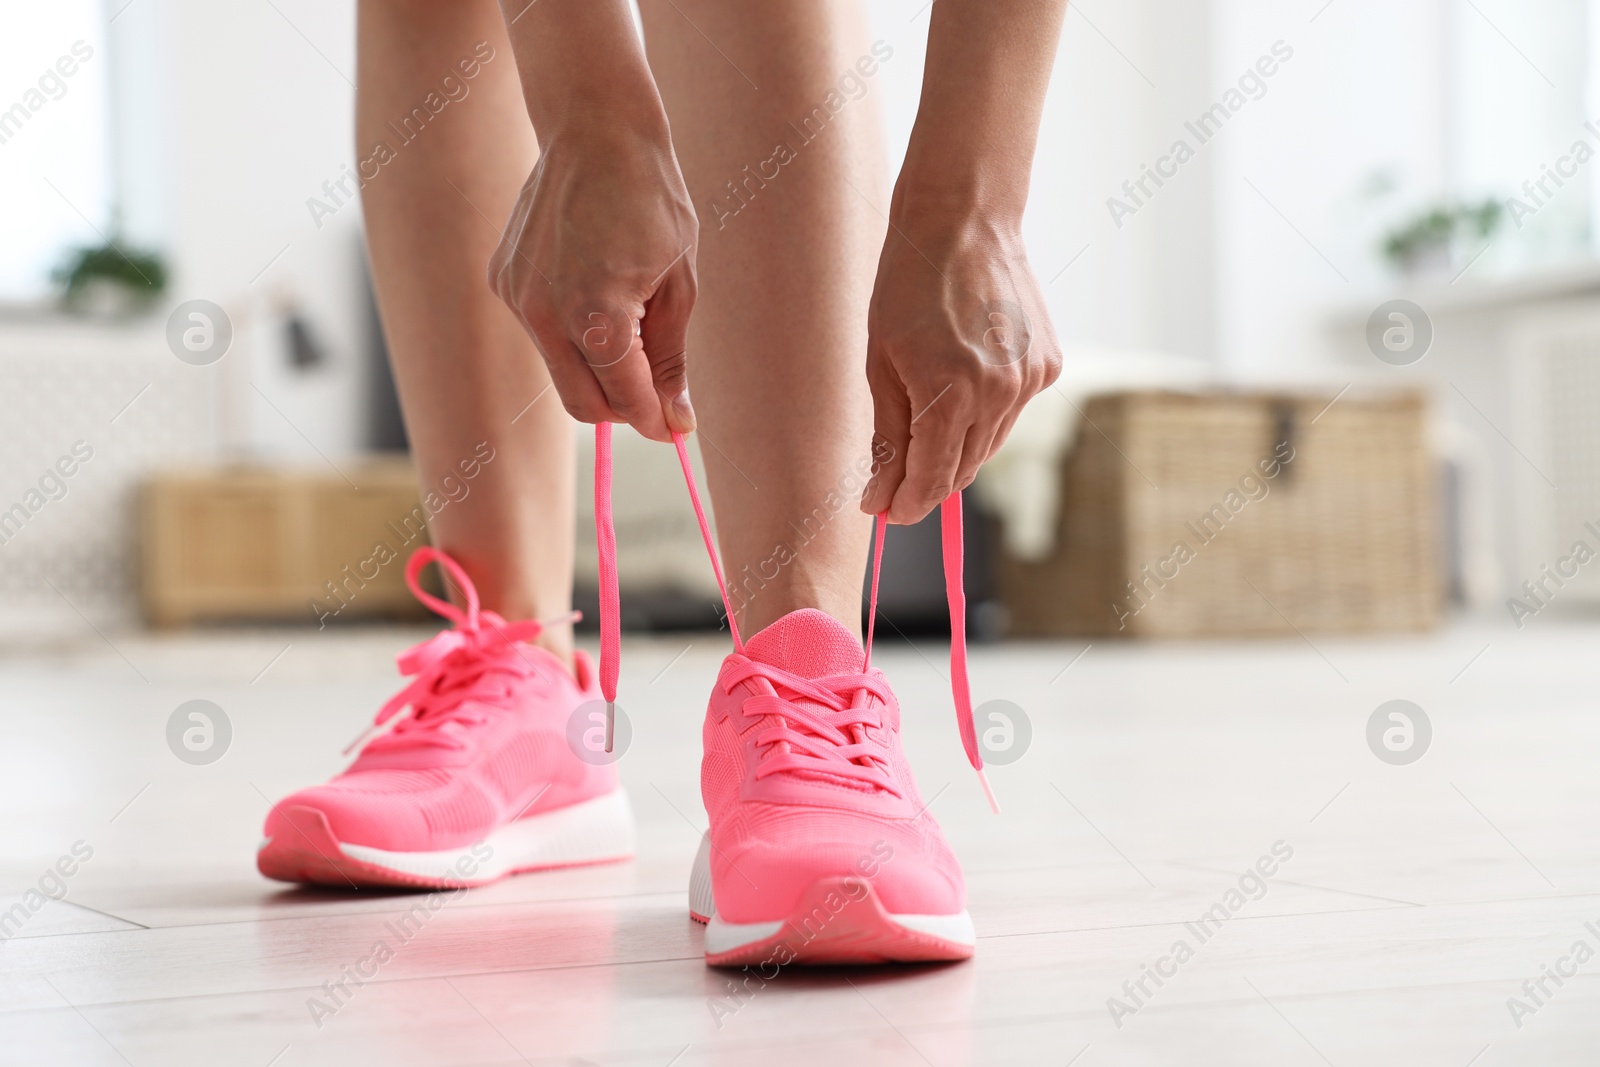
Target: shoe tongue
{"points": [[808, 643]]}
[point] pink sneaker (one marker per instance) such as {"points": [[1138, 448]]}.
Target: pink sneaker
{"points": [[820, 850], [476, 783]]}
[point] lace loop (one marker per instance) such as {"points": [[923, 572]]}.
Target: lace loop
{"points": [[428, 554], [449, 665]]}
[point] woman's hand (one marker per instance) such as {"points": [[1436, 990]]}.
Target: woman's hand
{"points": [[598, 264], [958, 341]]}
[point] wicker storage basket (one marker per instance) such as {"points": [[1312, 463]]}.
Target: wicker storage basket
{"points": [[1188, 515]]}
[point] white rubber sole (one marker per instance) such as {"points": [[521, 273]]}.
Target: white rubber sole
{"points": [[592, 831], [838, 920]]}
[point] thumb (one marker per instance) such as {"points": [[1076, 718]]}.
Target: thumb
{"points": [[891, 417], [665, 332]]}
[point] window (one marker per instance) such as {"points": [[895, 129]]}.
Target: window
{"points": [[56, 140], [1520, 94]]}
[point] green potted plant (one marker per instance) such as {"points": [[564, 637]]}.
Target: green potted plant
{"points": [[1431, 239], [109, 281]]}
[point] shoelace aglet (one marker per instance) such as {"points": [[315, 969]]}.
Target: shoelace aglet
{"points": [[611, 722], [994, 805]]}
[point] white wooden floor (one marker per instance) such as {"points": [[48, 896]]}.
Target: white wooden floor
{"points": [[1417, 901]]}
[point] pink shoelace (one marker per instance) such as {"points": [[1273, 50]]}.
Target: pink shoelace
{"points": [[836, 738], [454, 668], [833, 741]]}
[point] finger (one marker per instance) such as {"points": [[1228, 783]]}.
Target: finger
{"points": [[984, 439], [891, 419], [574, 382], [931, 461], [974, 452], [1000, 434], [665, 332], [608, 342]]}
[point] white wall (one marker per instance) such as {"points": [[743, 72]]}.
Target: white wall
{"points": [[1205, 266], [1517, 82], [1209, 266], [54, 149], [1437, 99], [1362, 98], [261, 115], [1123, 74]]}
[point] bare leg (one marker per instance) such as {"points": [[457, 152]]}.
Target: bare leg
{"points": [[778, 340], [466, 370]]}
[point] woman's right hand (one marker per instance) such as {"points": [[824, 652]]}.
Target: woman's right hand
{"points": [[598, 264]]}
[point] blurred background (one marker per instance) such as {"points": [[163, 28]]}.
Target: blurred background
{"points": [[1347, 241]]}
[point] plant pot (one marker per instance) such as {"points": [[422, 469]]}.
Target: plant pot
{"points": [[1429, 260], [106, 300]]}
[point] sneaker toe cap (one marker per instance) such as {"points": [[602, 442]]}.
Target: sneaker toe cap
{"points": [[392, 821], [762, 881]]}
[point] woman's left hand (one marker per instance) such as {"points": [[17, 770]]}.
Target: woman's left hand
{"points": [[959, 339]]}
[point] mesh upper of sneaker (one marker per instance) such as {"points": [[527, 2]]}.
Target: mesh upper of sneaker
{"points": [[780, 819]]}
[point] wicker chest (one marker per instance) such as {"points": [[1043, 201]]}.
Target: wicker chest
{"points": [[1190, 515]]}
